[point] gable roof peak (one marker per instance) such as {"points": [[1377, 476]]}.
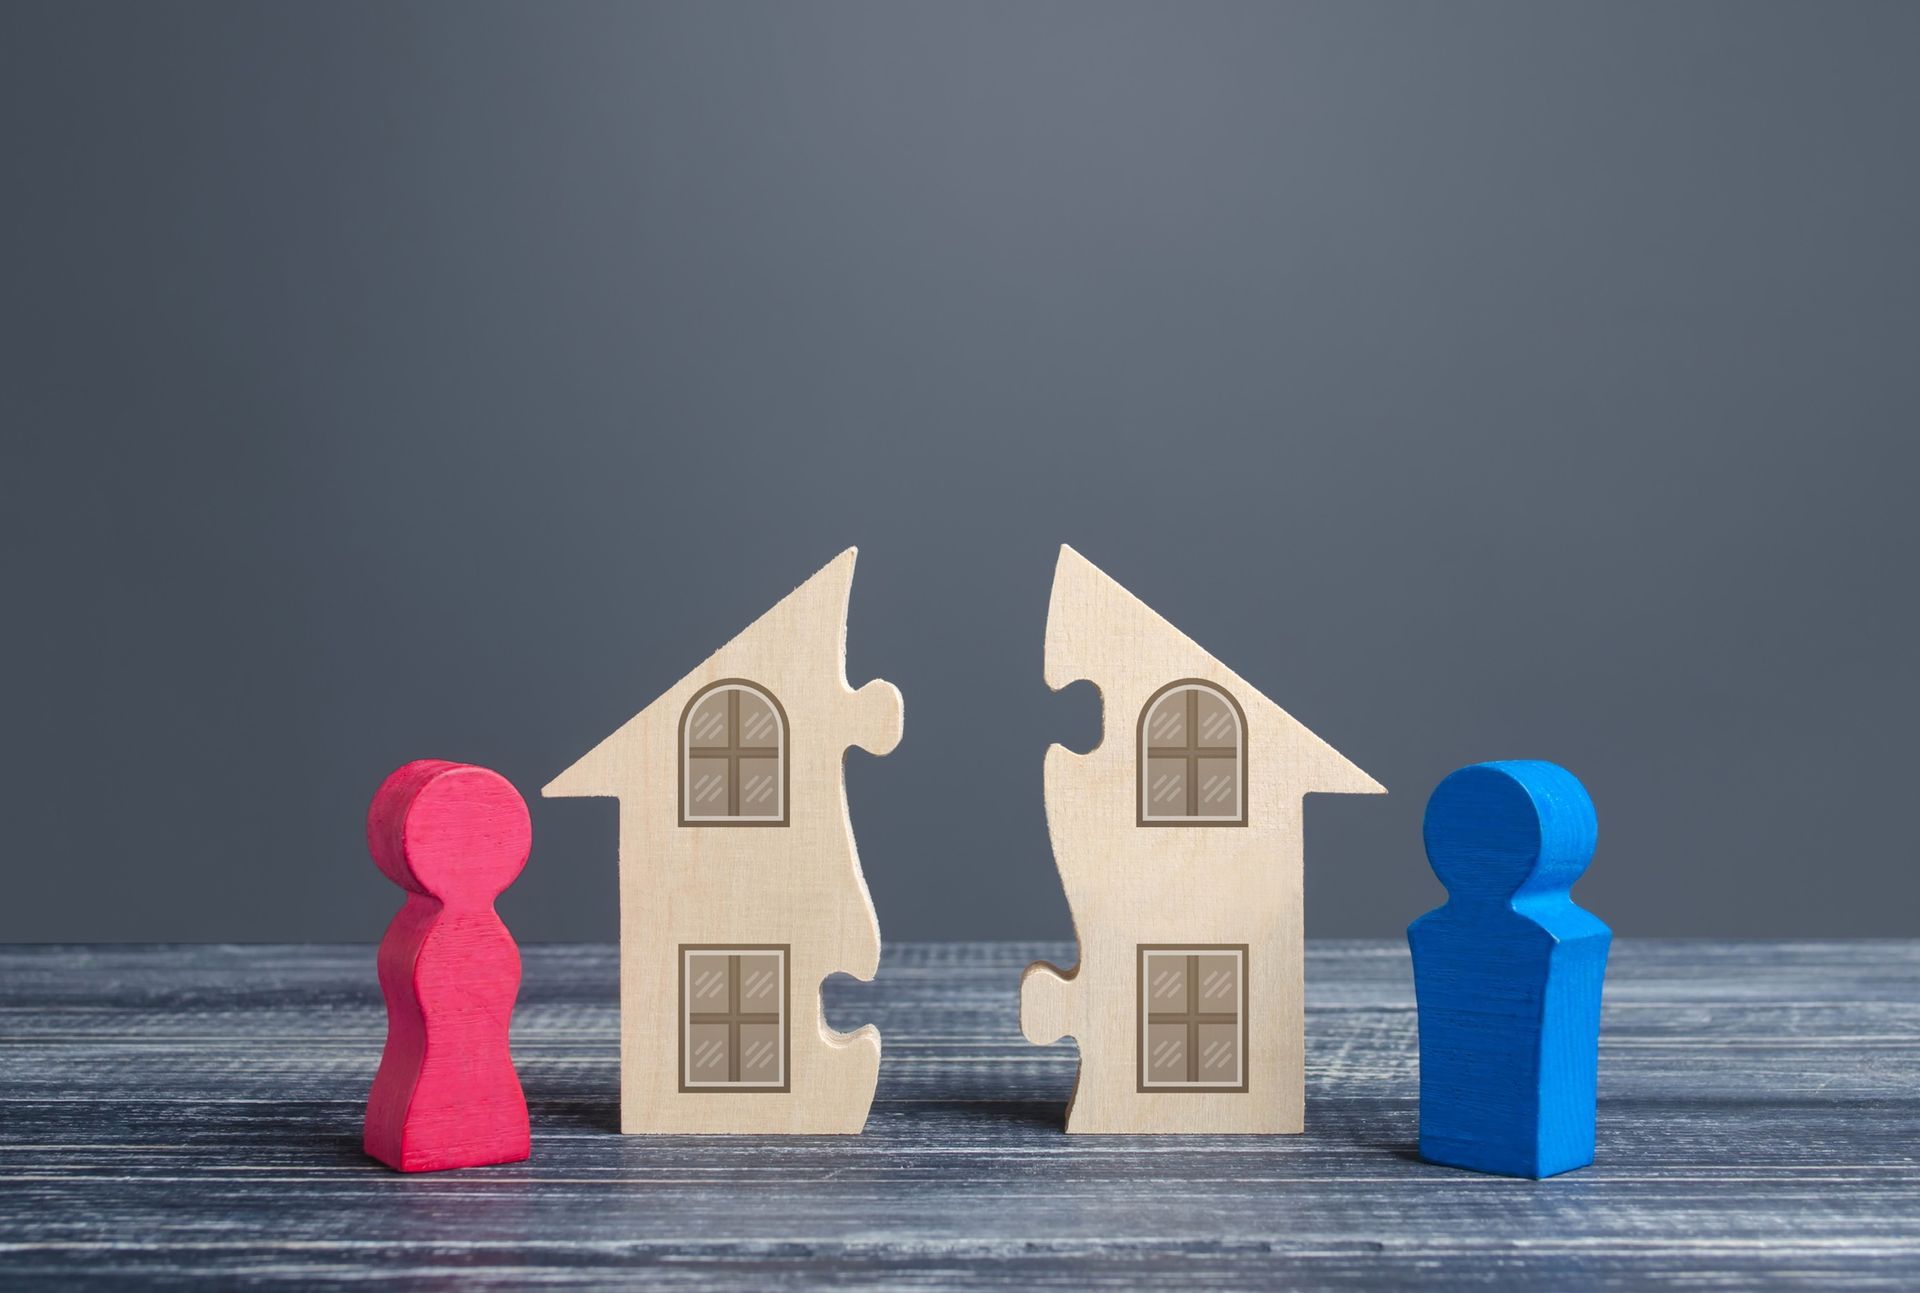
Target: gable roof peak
{"points": [[814, 615], [1092, 620]]}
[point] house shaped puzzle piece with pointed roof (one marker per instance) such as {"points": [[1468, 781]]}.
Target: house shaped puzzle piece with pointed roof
{"points": [[1179, 843], [740, 889]]}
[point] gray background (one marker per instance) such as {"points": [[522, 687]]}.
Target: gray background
{"points": [[1479, 380]]}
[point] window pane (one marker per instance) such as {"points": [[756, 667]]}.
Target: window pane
{"points": [[1219, 983], [1166, 789], [707, 724], [1166, 1052], [707, 1053], [759, 725], [1166, 982], [760, 984], [760, 1053], [707, 983], [1220, 787], [1167, 725], [1216, 725], [1219, 1053], [759, 786], [707, 788]]}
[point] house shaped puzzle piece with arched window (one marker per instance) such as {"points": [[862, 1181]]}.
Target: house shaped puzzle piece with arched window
{"points": [[1179, 844], [740, 889]]}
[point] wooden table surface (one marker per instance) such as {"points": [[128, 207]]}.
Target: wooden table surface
{"points": [[191, 1115]]}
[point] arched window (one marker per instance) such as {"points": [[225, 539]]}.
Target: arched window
{"points": [[1193, 757], [733, 757]]}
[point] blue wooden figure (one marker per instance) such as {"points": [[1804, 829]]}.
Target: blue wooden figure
{"points": [[1508, 973]]}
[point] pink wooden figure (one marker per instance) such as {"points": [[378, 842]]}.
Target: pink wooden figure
{"points": [[453, 836]]}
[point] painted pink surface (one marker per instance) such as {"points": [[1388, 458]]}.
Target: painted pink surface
{"points": [[453, 836]]}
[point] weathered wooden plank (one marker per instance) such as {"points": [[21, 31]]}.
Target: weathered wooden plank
{"points": [[186, 1115]]}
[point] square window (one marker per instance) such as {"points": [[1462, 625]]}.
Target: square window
{"points": [[733, 1024], [1193, 1018]]}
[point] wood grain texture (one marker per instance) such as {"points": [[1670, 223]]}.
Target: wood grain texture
{"points": [[190, 1116], [1234, 888], [789, 892], [454, 836], [1508, 973]]}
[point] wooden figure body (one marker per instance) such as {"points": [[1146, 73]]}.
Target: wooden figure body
{"points": [[740, 889], [1509, 973], [1178, 841], [453, 836]]}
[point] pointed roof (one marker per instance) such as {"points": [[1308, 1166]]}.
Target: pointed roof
{"points": [[1091, 618], [816, 609]]}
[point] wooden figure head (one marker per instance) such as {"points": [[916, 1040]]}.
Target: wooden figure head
{"points": [[1496, 831], [452, 831]]}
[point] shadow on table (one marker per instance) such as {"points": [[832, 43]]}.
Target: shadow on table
{"points": [[1023, 1115], [574, 1112]]}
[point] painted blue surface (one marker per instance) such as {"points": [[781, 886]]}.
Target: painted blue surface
{"points": [[1508, 973]]}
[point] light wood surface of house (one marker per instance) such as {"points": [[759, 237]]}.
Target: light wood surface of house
{"points": [[1178, 841], [740, 887]]}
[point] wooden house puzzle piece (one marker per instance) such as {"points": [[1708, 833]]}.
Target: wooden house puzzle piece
{"points": [[446, 1095], [1509, 973], [740, 889], [1179, 844]]}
